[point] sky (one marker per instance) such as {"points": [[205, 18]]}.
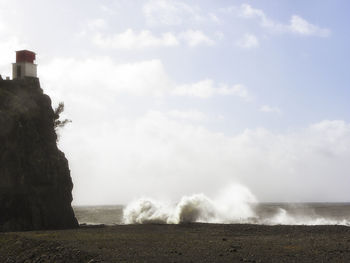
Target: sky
{"points": [[170, 98]]}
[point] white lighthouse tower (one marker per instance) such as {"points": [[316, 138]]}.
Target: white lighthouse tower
{"points": [[24, 66]]}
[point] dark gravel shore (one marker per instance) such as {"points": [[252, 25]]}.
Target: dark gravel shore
{"points": [[180, 243]]}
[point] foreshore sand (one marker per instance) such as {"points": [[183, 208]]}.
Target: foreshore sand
{"points": [[193, 242]]}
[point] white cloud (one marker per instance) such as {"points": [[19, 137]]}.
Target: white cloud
{"points": [[170, 13], [247, 11], [207, 88], [143, 78], [196, 37], [269, 109], [300, 26], [219, 35], [146, 39], [109, 10], [297, 25], [213, 17], [248, 41], [190, 115], [97, 24], [132, 40], [235, 90], [201, 89], [102, 75]]}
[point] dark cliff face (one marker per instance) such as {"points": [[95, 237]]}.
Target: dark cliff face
{"points": [[35, 182]]}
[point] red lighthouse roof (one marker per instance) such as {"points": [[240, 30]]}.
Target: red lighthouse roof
{"points": [[25, 56]]}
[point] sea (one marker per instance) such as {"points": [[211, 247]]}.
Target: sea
{"points": [[262, 213]]}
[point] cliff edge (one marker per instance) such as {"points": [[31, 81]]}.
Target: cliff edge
{"points": [[35, 182]]}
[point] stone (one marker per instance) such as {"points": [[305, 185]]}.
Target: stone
{"points": [[35, 182]]}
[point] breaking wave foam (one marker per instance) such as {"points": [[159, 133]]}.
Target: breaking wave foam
{"points": [[235, 204], [282, 217], [232, 205]]}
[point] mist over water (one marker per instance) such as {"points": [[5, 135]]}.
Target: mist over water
{"points": [[235, 204]]}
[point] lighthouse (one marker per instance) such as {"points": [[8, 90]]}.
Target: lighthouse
{"points": [[24, 66]]}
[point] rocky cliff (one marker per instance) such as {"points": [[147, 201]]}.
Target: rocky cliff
{"points": [[35, 182]]}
